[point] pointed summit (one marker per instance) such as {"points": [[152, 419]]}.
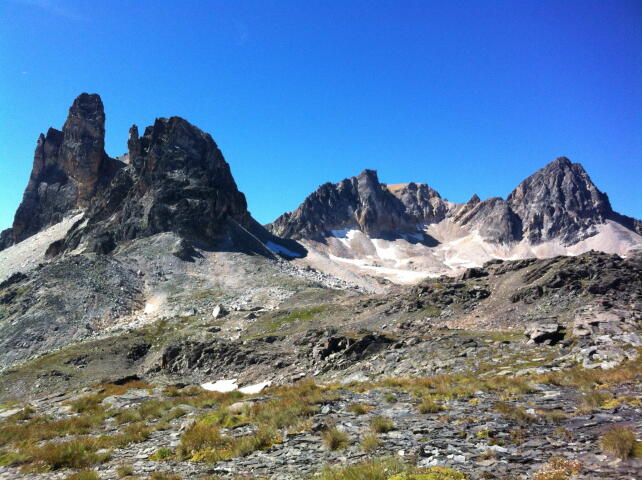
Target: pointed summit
{"points": [[69, 166], [560, 202], [177, 181]]}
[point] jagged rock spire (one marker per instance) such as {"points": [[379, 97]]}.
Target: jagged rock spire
{"points": [[69, 167]]}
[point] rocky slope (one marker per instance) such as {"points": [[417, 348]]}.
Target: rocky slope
{"points": [[538, 382]]}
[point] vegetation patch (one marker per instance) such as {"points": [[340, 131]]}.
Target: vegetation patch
{"points": [[620, 441], [382, 424], [335, 439], [557, 468], [514, 412]]}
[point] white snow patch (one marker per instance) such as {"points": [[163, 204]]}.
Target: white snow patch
{"points": [[395, 275], [403, 262], [154, 303], [276, 248], [222, 386], [225, 386]]}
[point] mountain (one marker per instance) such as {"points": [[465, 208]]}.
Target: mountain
{"points": [[138, 294], [177, 181], [69, 168], [91, 227], [174, 179], [402, 231]]}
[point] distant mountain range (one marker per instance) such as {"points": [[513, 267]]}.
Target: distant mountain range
{"points": [[175, 179]]}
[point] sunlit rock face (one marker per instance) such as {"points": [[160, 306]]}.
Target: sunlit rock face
{"points": [[70, 167]]}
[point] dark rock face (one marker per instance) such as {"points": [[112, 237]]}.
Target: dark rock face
{"points": [[493, 219], [177, 181], [364, 203], [69, 167], [559, 202]]}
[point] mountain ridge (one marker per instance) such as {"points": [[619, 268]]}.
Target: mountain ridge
{"points": [[577, 205]]}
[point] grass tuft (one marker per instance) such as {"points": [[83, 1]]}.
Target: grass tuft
{"points": [[428, 405], [619, 440], [382, 424], [84, 475], [370, 442], [335, 439], [557, 468]]}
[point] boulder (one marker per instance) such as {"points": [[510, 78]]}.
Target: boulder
{"points": [[546, 331], [219, 311]]}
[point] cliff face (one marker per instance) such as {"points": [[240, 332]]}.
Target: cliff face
{"points": [[69, 168], [177, 181], [365, 203], [559, 202]]}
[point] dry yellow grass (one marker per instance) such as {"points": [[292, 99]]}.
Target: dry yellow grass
{"points": [[620, 441]]}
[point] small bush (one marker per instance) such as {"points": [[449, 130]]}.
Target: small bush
{"points": [[198, 437], [165, 476], [379, 469], [553, 416], [514, 412], [335, 439], [382, 424], [594, 400], [619, 441], [162, 453], [390, 397], [77, 453], [432, 473], [360, 408], [125, 471]]}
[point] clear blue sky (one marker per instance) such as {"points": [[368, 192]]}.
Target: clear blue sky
{"points": [[469, 97]]}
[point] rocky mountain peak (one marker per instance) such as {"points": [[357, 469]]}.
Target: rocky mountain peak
{"points": [[474, 199], [559, 202], [177, 181], [360, 202], [69, 167]]}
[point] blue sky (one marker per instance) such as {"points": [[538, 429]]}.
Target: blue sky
{"points": [[469, 97]]}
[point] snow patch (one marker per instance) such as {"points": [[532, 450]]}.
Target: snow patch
{"points": [[404, 262], [221, 386], [225, 386], [27, 254]]}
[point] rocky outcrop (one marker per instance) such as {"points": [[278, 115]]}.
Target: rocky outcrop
{"points": [[69, 168], [493, 219], [360, 202], [558, 202], [177, 181], [422, 203]]}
